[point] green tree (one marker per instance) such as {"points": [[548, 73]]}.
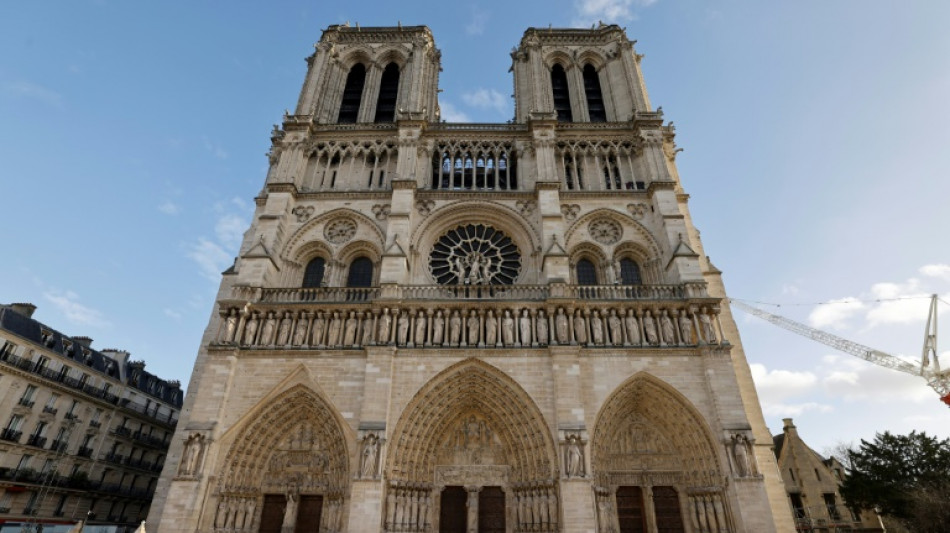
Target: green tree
{"points": [[903, 476]]}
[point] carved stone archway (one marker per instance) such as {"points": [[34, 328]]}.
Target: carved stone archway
{"points": [[472, 426], [294, 447], [650, 439]]}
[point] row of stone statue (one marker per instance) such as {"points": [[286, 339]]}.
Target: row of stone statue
{"points": [[473, 327], [536, 508], [407, 508], [236, 514]]}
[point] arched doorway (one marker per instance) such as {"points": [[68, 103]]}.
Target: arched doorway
{"points": [[655, 463], [472, 449], [287, 469]]}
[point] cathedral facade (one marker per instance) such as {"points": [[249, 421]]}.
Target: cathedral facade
{"points": [[438, 327]]}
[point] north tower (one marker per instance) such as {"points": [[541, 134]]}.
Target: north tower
{"points": [[471, 327]]}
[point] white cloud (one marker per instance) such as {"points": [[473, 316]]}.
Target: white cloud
{"points": [[835, 312], [589, 12], [790, 289], [487, 99], [171, 313], [936, 271], [212, 259], [68, 304], [476, 25], [169, 208], [853, 379], [216, 149], [775, 385], [792, 410], [450, 113], [230, 230], [28, 89]]}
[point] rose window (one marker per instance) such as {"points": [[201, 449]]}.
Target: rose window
{"points": [[475, 254]]}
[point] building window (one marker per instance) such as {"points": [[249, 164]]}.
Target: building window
{"points": [[27, 398], [352, 95], [24, 463], [388, 89], [8, 349], [586, 272], [61, 506], [562, 98], [630, 272], [798, 507], [41, 364], [313, 275], [595, 99], [832, 506], [360, 273], [51, 404]]}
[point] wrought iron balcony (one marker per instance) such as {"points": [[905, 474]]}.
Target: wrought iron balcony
{"points": [[26, 402], [58, 446], [84, 452], [36, 440], [11, 435], [50, 410]]}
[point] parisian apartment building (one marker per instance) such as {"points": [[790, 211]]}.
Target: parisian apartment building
{"points": [[85, 431]]}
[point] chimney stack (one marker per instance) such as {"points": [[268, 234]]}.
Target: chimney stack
{"points": [[24, 308]]}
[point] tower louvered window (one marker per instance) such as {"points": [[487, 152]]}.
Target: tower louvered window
{"points": [[352, 94], [562, 98], [595, 98], [388, 90]]}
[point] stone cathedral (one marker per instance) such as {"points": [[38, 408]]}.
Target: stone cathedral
{"points": [[440, 327]]}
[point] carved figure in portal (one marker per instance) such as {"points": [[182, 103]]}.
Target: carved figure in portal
{"points": [[524, 328], [290, 511], [508, 329], [575, 457], [473, 327], [707, 326], [438, 327], [250, 330], [542, 328], [300, 333], [596, 328], [491, 329], [319, 324], [385, 322], [230, 326], [283, 333], [333, 334], [455, 328], [369, 456], [267, 334], [686, 329], [666, 326], [367, 329], [192, 455], [740, 451], [580, 328], [633, 327], [420, 334], [403, 328], [616, 328], [649, 329], [560, 326], [349, 337]]}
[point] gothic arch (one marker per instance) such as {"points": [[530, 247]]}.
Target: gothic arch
{"points": [[293, 437], [472, 388], [356, 55], [297, 246], [646, 424], [389, 55], [558, 56], [642, 236], [592, 57]]}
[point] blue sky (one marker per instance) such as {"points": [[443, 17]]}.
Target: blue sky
{"points": [[815, 136]]}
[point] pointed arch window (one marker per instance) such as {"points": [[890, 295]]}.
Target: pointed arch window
{"points": [[586, 272], [313, 275], [352, 94], [360, 273], [388, 90], [562, 97], [595, 98], [630, 272]]}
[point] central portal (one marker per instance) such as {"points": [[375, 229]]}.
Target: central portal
{"points": [[456, 512]]}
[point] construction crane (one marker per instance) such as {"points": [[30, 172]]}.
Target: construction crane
{"points": [[929, 368]]}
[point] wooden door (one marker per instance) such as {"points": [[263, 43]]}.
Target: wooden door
{"points": [[453, 510], [669, 515], [272, 514], [491, 510], [308, 514], [630, 510]]}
